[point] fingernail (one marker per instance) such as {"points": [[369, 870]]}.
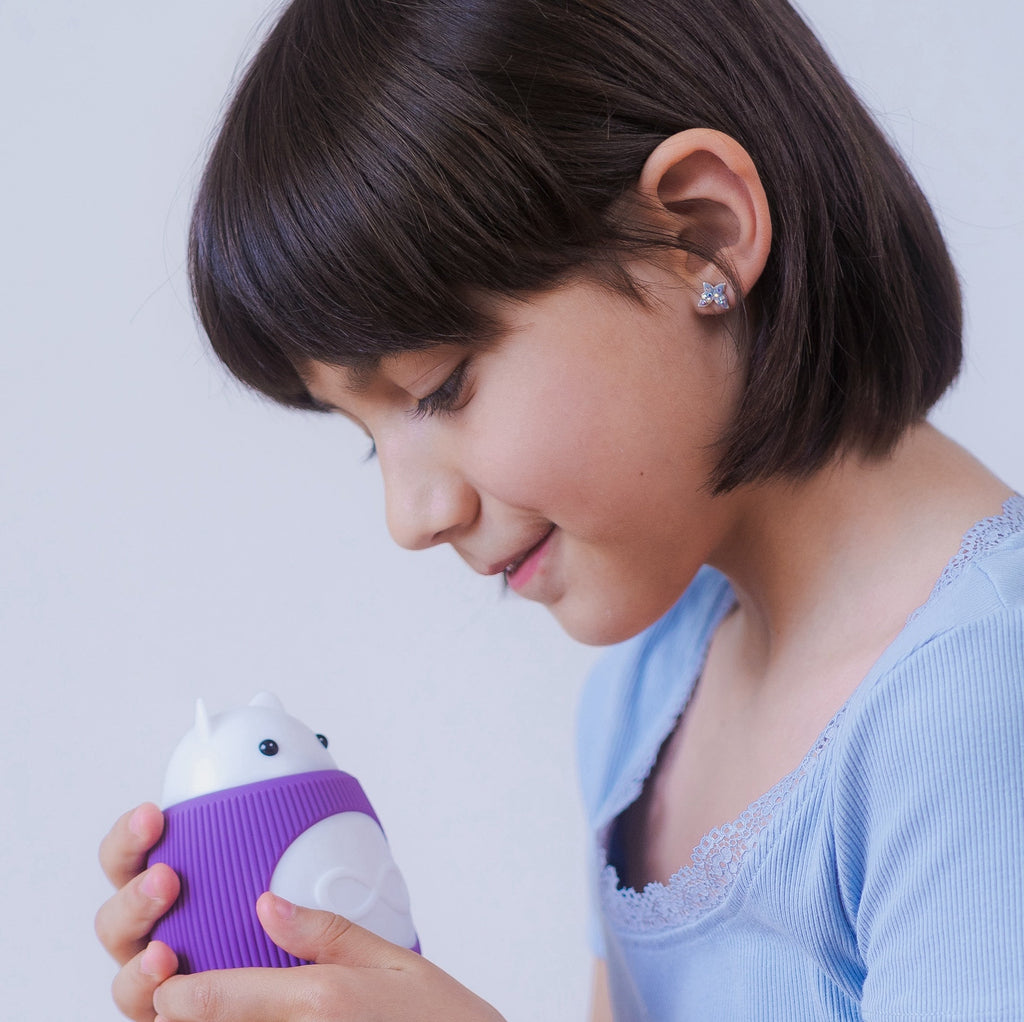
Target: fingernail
{"points": [[150, 887], [283, 909], [148, 963], [135, 823]]}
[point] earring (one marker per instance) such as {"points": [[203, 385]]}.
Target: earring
{"points": [[713, 293]]}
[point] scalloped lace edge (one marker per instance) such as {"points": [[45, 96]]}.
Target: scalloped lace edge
{"points": [[714, 863], [697, 888], [980, 539]]}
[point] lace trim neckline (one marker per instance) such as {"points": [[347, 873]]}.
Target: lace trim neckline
{"points": [[702, 884], [715, 863], [982, 538]]}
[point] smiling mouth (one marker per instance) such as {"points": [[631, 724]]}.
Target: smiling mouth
{"points": [[514, 565]]}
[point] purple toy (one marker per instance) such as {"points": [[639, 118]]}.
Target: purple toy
{"points": [[254, 802]]}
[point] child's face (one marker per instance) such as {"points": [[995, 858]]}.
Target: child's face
{"points": [[570, 454]]}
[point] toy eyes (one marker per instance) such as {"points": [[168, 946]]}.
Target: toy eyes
{"points": [[270, 748]]}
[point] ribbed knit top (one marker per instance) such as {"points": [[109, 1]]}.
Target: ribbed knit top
{"points": [[882, 879]]}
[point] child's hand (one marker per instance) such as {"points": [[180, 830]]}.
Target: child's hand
{"points": [[142, 897], [357, 976]]}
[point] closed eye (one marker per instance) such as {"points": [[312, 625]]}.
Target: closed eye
{"points": [[448, 398]]}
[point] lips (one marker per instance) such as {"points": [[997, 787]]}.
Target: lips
{"points": [[521, 568], [511, 563]]}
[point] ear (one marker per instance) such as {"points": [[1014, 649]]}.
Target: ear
{"points": [[707, 186]]}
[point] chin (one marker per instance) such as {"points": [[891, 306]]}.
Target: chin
{"points": [[606, 626]]}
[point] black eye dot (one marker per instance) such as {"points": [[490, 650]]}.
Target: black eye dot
{"points": [[323, 740], [269, 747]]}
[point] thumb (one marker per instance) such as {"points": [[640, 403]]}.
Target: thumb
{"points": [[325, 938]]}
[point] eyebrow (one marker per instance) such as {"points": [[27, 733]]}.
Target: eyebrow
{"points": [[359, 379], [361, 376]]}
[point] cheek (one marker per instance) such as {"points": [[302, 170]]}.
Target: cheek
{"points": [[554, 450], [526, 463], [548, 450], [527, 434], [626, 432]]}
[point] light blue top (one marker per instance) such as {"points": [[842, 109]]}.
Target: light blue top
{"points": [[884, 878]]}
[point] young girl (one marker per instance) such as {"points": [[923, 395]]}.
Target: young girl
{"points": [[639, 308]]}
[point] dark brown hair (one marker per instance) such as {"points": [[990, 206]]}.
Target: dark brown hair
{"points": [[383, 164]]}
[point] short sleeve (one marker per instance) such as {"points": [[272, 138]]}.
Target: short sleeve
{"points": [[930, 828]]}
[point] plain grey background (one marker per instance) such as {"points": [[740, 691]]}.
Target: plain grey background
{"points": [[164, 535]]}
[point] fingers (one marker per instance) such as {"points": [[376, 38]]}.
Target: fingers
{"points": [[323, 937], [136, 983], [123, 851], [258, 995], [126, 918], [317, 993], [376, 971], [358, 977]]}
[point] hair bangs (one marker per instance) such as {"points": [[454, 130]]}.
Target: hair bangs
{"points": [[345, 217]]}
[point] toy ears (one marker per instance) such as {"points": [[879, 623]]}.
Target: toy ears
{"points": [[202, 720], [267, 700], [706, 185]]}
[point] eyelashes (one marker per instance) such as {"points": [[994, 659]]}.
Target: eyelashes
{"points": [[448, 398]]}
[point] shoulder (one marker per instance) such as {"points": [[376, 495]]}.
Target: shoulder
{"points": [[970, 627], [930, 751], [943, 717], [636, 690], [955, 673], [927, 784]]}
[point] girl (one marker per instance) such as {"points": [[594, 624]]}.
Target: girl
{"points": [[639, 309]]}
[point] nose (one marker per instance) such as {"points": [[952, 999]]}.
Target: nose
{"points": [[426, 502]]}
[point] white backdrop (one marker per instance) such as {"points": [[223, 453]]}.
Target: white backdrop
{"points": [[165, 535]]}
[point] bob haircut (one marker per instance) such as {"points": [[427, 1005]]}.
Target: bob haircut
{"points": [[383, 165]]}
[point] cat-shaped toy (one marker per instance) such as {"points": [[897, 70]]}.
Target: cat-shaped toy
{"points": [[253, 801]]}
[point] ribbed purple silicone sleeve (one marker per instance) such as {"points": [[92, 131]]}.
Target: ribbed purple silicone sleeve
{"points": [[224, 846]]}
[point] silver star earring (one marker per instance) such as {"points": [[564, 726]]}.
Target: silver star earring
{"points": [[713, 293]]}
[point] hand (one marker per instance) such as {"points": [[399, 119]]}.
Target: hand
{"points": [[142, 897], [356, 976]]}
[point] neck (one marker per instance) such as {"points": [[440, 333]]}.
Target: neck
{"points": [[843, 557]]}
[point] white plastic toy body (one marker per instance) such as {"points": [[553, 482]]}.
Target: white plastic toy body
{"points": [[263, 767]]}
